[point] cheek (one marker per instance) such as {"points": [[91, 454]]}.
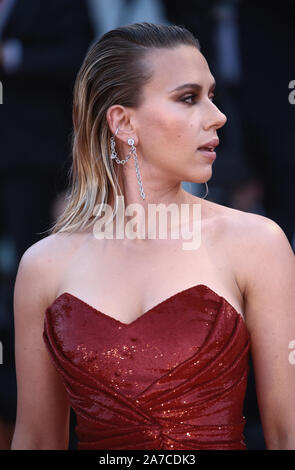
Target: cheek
{"points": [[164, 128]]}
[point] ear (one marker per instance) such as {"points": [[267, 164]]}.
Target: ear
{"points": [[121, 117]]}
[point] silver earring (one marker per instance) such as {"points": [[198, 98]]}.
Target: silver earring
{"points": [[132, 151], [114, 154]]}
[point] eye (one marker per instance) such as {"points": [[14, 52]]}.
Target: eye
{"points": [[189, 97], [193, 98]]}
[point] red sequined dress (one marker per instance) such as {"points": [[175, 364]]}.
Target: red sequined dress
{"points": [[175, 378]]}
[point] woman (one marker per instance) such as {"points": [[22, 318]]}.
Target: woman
{"points": [[146, 340]]}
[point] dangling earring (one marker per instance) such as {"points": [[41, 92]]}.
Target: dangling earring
{"points": [[132, 151], [114, 154]]}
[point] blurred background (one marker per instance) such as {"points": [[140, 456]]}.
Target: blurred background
{"points": [[249, 46]]}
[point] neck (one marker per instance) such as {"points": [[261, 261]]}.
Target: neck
{"points": [[162, 211]]}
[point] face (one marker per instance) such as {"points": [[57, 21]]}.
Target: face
{"points": [[176, 117]]}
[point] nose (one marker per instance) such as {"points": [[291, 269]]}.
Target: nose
{"points": [[216, 118]]}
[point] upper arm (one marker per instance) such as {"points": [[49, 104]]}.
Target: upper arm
{"points": [[269, 295], [42, 407]]}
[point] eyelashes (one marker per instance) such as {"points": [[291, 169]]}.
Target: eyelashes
{"points": [[194, 98]]}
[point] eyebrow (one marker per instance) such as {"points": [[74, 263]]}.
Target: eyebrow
{"points": [[195, 86]]}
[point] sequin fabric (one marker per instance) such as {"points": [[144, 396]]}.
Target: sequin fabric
{"points": [[175, 378]]}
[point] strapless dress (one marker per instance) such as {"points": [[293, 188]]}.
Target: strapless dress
{"points": [[175, 378]]}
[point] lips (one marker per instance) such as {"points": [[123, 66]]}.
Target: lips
{"points": [[209, 146]]}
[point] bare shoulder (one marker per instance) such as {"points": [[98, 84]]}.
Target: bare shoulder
{"points": [[252, 240], [52, 247], [247, 226], [248, 239], [42, 262]]}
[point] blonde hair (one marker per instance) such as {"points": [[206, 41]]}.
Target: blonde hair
{"points": [[113, 72]]}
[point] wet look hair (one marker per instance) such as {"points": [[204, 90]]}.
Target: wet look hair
{"points": [[114, 71]]}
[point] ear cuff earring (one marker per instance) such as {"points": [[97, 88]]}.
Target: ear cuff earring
{"points": [[132, 152]]}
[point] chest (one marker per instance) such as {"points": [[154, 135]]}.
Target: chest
{"points": [[125, 282]]}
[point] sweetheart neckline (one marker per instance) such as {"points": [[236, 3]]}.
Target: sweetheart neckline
{"points": [[168, 299]]}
